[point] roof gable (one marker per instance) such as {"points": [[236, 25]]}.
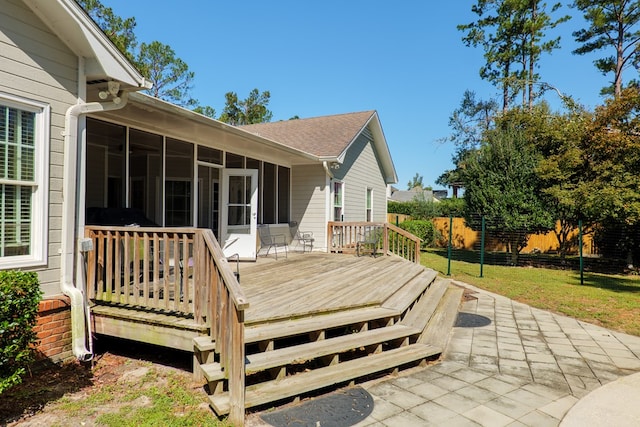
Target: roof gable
{"points": [[103, 61], [328, 137]]}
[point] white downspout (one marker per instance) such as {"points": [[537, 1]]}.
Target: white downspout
{"points": [[80, 324]]}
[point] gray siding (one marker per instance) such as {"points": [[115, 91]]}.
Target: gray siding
{"points": [[361, 170], [36, 65], [308, 199]]}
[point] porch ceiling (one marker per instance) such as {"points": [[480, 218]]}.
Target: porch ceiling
{"points": [[154, 115]]}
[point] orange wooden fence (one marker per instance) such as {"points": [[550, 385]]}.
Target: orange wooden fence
{"points": [[464, 237]]}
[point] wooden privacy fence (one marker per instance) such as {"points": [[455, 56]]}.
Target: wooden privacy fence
{"points": [[463, 237], [344, 237], [176, 270]]}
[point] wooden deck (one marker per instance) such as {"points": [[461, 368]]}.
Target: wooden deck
{"points": [[305, 322], [313, 283]]}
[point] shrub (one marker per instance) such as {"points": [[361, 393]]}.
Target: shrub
{"points": [[423, 229], [19, 297], [403, 208]]}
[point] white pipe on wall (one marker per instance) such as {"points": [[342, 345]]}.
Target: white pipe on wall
{"points": [[79, 315]]}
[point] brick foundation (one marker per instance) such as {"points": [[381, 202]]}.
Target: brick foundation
{"points": [[54, 329]]}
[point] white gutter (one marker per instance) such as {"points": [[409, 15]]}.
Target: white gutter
{"points": [[327, 169], [80, 322]]}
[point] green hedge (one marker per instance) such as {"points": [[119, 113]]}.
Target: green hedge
{"points": [[423, 229], [19, 297]]}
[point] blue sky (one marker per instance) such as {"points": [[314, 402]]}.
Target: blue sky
{"points": [[403, 58]]}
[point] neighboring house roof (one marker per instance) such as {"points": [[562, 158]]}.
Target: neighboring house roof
{"points": [[409, 195], [328, 137], [103, 61]]}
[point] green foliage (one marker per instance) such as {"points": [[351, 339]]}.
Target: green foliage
{"points": [[423, 229], [613, 25], [251, 110], [416, 181], [501, 184], [512, 34], [119, 30], [611, 155], [403, 208], [450, 207], [170, 75], [19, 297]]}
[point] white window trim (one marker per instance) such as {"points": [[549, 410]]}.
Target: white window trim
{"points": [[40, 196], [368, 190], [333, 206]]}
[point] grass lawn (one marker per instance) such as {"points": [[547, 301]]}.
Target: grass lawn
{"points": [[611, 301]]}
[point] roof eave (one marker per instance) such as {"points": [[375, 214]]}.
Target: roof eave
{"points": [[192, 115], [76, 29]]}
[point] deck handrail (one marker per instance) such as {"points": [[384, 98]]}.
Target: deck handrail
{"points": [[344, 236], [180, 270]]}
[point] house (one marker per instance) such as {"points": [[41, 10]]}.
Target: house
{"points": [[82, 140], [416, 193]]}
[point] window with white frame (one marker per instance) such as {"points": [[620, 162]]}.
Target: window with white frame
{"points": [[369, 205], [23, 169], [338, 201]]}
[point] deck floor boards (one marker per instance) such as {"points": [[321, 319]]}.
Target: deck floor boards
{"points": [[304, 284]]}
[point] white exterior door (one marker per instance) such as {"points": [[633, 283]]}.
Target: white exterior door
{"points": [[239, 212]]}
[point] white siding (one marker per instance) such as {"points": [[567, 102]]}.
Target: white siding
{"points": [[36, 65], [309, 201], [361, 170]]}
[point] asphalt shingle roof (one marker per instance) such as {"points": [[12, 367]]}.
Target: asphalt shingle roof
{"points": [[326, 136]]}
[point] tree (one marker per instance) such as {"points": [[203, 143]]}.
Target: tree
{"points": [[120, 31], [560, 168], [170, 75], [416, 181], [206, 110], [468, 123], [612, 155], [501, 184], [172, 80], [251, 110], [613, 24], [512, 33]]}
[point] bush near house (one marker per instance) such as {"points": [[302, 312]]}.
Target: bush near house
{"points": [[19, 297], [423, 229]]}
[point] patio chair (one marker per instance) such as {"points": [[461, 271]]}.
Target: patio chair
{"points": [[369, 239], [275, 241], [304, 238]]}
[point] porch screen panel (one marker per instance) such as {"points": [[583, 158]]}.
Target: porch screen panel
{"points": [[284, 181], [145, 174], [17, 180], [106, 165], [178, 183], [269, 194]]}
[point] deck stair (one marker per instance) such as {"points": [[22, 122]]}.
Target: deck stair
{"points": [[288, 358]]}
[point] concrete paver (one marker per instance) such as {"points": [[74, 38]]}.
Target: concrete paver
{"points": [[508, 364]]}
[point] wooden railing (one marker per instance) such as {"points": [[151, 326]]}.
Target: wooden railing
{"points": [[344, 237], [177, 270]]}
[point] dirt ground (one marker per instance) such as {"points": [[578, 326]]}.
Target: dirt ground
{"points": [[36, 402]]}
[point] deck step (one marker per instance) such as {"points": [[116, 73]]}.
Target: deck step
{"points": [[441, 324], [406, 295], [289, 328], [335, 374], [309, 351], [203, 343], [422, 311]]}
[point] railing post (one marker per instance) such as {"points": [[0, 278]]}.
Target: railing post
{"points": [[236, 366], [385, 239]]}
